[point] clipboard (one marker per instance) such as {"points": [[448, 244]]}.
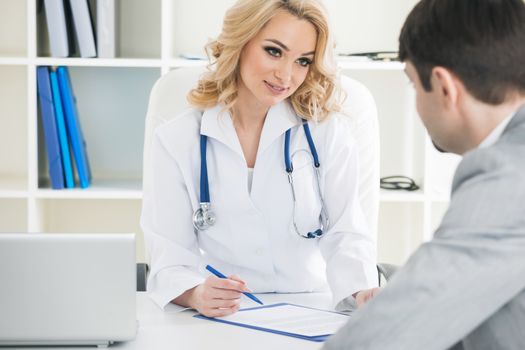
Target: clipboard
{"points": [[254, 324]]}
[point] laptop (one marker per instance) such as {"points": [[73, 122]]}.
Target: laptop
{"points": [[67, 289]]}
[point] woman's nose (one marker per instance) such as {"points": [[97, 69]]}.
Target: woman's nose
{"points": [[284, 72]]}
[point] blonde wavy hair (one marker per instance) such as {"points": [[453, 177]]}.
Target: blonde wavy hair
{"points": [[317, 97]]}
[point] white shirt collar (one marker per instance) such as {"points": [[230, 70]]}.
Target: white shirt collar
{"points": [[495, 134], [216, 123]]}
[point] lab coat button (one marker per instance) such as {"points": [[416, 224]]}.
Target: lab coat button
{"points": [[258, 251]]}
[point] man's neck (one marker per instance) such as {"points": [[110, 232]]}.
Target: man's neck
{"points": [[484, 118]]}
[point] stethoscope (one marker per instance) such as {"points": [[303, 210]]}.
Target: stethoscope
{"points": [[204, 217]]}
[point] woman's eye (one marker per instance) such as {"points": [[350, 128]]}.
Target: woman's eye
{"points": [[273, 51], [304, 62]]}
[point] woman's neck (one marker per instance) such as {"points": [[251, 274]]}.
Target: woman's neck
{"points": [[248, 113], [248, 118]]}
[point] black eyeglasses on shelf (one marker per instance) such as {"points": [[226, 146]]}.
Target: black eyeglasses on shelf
{"points": [[398, 182]]}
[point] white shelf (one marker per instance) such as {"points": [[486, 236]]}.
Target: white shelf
{"points": [[11, 194], [112, 97], [401, 196], [183, 62], [99, 189], [98, 62], [13, 61], [11, 187]]}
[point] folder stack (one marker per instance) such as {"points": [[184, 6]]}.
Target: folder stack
{"points": [[68, 20], [62, 130]]}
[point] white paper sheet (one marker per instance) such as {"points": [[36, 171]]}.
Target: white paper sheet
{"points": [[291, 319]]}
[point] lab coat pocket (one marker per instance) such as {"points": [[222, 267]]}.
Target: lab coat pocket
{"points": [[307, 206]]}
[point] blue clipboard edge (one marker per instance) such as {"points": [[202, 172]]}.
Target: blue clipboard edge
{"points": [[317, 338]]}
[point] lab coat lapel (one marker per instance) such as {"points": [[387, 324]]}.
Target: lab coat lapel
{"points": [[280, 118], [217, 123]]}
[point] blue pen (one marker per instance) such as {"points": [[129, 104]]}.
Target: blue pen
{"points": [[220, 275]]}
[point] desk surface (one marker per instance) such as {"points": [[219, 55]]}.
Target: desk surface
{"points": [[159, 330], [180, 330]]}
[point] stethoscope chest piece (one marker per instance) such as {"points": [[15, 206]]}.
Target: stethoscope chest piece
{"points": [[203, 217]]}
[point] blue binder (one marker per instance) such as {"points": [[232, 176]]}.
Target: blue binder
{"points": [[78, 144], [61, 129], [47, 112]]}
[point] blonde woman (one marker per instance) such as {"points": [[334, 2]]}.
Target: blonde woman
{"points": [[259, 179]]}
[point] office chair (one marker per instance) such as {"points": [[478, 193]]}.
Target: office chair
{"points": [[142, 276], [168, 99]]}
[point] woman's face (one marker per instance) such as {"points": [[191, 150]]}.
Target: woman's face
{"points": [[276, 61]]}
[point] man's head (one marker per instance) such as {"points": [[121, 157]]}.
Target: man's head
{"points": [[471, 51]]}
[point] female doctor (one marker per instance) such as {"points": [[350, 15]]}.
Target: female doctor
{"points": [[259, 179]]}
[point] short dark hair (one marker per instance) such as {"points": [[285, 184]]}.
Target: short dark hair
{"points": [[481, 41]]}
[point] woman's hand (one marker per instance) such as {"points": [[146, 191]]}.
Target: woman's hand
{"points": [[215, 297], [362, 297]]}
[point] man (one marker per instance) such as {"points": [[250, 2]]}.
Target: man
{"points": [[465, 289]]}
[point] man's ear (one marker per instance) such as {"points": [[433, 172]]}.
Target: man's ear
{"points": [[446, 84]]}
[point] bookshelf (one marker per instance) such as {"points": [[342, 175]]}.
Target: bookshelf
{"points": [[112, 97]]}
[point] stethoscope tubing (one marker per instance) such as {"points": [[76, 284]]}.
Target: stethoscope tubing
{"points": [[287, 160], [204, 185], [204, 217]]}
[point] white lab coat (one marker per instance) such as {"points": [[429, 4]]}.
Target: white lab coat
{"points": [[253, 236]]}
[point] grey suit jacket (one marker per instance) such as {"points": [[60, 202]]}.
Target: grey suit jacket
{"points": [[465, 289]]}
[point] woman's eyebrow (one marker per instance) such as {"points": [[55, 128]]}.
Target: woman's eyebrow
{"points": [[284, 47]]}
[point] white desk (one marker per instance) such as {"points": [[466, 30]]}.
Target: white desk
{"points": [[164, 330], [159, 330]]}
